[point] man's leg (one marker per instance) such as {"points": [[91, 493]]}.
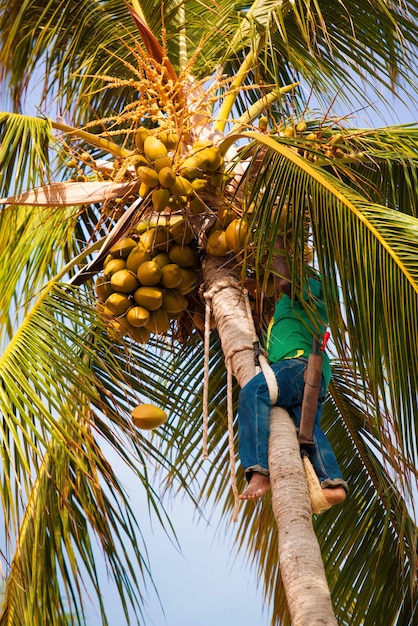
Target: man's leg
{"points": [[254, 421], [257, 487], [254, 429], [323, 458], [334, 495]]}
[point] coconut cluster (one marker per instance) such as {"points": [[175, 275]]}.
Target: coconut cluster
{"points": [[172, 179], [146, 278]]}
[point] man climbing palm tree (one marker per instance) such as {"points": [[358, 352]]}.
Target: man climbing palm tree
{"points": [[289, 342]]}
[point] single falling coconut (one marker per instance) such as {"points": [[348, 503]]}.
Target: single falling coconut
{"points": [[148, 416]]}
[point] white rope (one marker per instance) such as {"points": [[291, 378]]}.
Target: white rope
{"points": [[264, 364], [206, 376], [231, 440], [270, 379]]}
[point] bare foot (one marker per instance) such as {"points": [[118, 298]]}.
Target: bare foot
{"points": [[334, 495], [257, 487]]}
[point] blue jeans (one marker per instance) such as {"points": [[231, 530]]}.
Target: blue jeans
{"points": [[254, 422]]}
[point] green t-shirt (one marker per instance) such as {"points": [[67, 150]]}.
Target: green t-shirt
{"points": [[292, 328]]}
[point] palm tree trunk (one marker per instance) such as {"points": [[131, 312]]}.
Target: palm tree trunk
{"points": [[301, 565], [300, 559]]}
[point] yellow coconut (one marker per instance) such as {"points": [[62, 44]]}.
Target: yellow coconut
{"points": [[182, 255], [167, 177], [154, 148], [141, 134], [137, 316], [337, 139], [113, 265], [124, 281], [301, 127], [199, 184], [161, 259], [236, 234], [155, 239], [177, 203], [144, 189], [148, 416], [189, 280], [191, 167], [103, 288], [152, 222], [217, 244], [149, 273], [122, 248], [158, 322], [289, 131], [181, 232], [169, 138], [171, 276], [142, 226], [263, 123], [117, 303], [115, 329], [201, 143], [173, 301], [199, 321], [150, 298], [138, 161], [181, 187], [196, 206], [137, 256], [161, 162], [213, 158], [148, 176], [226, 215]]}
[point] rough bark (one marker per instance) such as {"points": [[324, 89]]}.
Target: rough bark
{"points": [[300, 558], [230, 312]]}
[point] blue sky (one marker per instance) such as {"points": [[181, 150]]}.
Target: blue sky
{"points": [[203, 584]]}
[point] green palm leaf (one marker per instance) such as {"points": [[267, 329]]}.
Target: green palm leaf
{"points": [[24, 155]]}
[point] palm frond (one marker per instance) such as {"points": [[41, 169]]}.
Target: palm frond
{"points": [[71, 193], [67, 401], [69, 506], [34, 243], [24, 152], [385, 170]]}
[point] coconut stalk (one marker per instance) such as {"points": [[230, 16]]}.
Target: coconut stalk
{"points": [[299, 555]]}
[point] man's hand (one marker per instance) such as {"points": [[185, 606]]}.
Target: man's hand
{"points": [[250, 284]]}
